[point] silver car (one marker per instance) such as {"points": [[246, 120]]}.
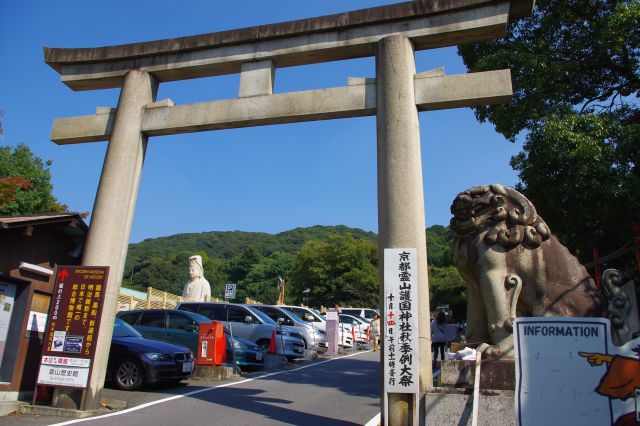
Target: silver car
{"points": [[250, 324], [314, 338]]}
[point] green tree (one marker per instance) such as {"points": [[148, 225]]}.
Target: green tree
{"points": [[240, 265], [576, 77], [439, 246], [25, 183], [588, 188], [260, 282], [446, 287], [343, 270]]}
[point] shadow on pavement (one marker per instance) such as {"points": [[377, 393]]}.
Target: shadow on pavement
{"points": [[249, 400]]}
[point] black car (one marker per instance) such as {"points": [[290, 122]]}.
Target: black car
{"points": [[135, 360]]}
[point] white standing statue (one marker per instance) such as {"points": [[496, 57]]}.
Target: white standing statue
{"points": [[198, 288]]}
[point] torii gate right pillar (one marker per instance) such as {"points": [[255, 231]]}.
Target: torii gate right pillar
{"points": [[401, 219]]}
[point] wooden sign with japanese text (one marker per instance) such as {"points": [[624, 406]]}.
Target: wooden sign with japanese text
{"points": [[72, 328], [400, 325]]}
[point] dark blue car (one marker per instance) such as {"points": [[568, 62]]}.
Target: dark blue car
{"points": [[135, 360]]}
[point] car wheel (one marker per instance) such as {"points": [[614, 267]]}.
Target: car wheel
{"points": [[129, 375]]}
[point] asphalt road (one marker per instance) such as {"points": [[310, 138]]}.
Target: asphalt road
{"points": [[339, 391]]}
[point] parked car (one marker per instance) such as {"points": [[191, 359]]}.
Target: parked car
{"points": [[313, 337], [169, 325], [246, 354], [183, 327], [366, 313], [249, 324], [357, 324], [135, 360], [308, 315], [315, 318]]}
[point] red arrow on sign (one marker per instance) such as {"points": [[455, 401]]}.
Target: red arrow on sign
{"points": [[63, 274]]}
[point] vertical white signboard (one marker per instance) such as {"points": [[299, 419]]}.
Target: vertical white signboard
{"points": [[400, 325]]}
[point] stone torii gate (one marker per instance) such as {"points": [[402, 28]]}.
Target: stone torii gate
{"points": [[397, 93]]}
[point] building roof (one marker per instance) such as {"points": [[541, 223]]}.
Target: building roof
{"points": [[72, 220]]}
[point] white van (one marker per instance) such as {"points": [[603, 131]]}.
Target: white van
{"points": [[366, 313]]}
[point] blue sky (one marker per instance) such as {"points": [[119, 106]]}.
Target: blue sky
{"points": [[266, 179]]}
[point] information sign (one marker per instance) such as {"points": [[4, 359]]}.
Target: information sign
{"points": [[568, 369], [400, 325], [72, 330], [229, 291]]}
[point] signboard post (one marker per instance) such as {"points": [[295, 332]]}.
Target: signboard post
{"points": [[400, 326], [72, 328], [230, 291], [333, 331]]}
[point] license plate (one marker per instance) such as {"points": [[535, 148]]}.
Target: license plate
{"points": [[259, 356], [187, 367]]}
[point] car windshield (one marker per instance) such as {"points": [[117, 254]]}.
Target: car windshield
{"points": [[262, 316], [361, 320], [122, 329], [293, 315], [304, 314], [353, 318], [199, 318], [370, 313]]}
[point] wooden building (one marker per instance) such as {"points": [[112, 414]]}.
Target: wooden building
{"points": [[31, 248]]}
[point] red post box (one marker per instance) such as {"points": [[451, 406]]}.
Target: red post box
{"points": [[212, 345]]}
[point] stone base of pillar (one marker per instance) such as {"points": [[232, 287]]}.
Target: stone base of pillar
{"points": [[495, 374], [49, 411], [454, 406], [209, 372]]}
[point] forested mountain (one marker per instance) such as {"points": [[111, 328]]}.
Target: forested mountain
{"points": [[224, 245], [337, 264]]}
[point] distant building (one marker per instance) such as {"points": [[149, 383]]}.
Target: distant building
{"points": [[31, 248]]}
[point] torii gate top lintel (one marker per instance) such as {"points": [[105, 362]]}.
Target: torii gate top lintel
{"points": [[428, 23]]}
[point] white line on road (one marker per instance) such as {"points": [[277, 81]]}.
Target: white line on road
{"points": [[195, 392], [375, 421]]}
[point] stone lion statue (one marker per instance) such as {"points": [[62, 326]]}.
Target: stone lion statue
{"points": [[513, 266]]}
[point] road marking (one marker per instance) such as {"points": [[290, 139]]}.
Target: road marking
{"points": [[195, 392], [375, 421]]}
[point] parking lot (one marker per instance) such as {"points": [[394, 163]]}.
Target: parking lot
{"points": [[339, 390]]}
